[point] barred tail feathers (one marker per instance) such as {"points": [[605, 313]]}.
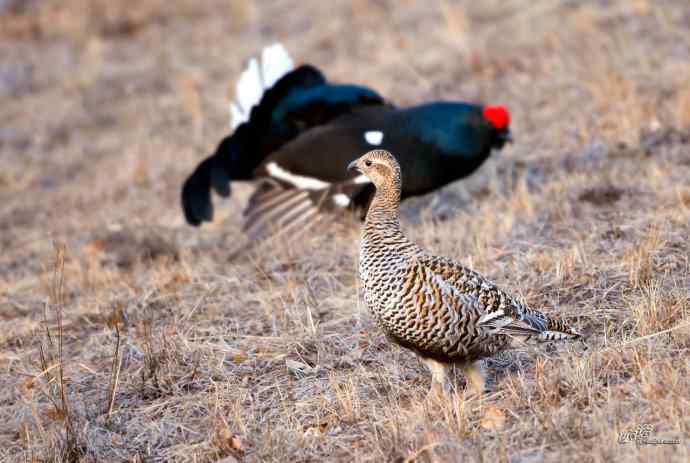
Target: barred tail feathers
{"points": [[518, 320], [558, 330]]}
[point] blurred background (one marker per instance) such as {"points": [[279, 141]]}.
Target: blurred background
{"points": [[107, 105]]}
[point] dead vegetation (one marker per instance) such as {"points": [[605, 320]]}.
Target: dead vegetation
{"points": [[140, 339]]}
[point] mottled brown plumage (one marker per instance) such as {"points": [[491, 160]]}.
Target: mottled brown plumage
{"points": [[446, 313]]}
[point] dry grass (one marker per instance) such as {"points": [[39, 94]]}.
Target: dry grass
{"points": [[143, 341]]}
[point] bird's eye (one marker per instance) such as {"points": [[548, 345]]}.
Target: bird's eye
{"points": [[367, 163]]}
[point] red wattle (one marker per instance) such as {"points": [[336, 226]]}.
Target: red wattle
{"points": [[498, 116]]}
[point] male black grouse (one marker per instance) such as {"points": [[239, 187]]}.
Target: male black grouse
{"points": [[296, 133]]}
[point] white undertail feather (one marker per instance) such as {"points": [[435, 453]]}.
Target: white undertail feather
{"points": [[249, 87], [275, 63], [256, 79], [237, 116]]}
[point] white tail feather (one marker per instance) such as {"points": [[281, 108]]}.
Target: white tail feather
{"points": [[249, 88], [237, 116], [275, 63]]}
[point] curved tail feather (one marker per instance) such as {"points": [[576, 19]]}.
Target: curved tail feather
{"points": [[196, 191]]}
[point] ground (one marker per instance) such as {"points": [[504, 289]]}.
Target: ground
{"points": [[126, 335]]}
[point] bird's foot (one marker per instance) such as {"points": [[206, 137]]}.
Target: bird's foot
{"points": [[474, 379], [439, 380]]}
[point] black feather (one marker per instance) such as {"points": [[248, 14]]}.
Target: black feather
{"points": [[196, 194], [298, 95]]}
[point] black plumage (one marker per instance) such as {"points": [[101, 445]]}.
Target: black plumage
{"points": [[298, 102], [303, 133]]}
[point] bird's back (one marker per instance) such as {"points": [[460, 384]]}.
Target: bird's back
{"points": [[430, 304]]}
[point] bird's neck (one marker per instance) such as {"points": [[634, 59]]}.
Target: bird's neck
{"points": [[382, 238], [383, 213]]}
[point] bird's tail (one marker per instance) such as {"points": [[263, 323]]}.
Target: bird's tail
{"points": [[256, 79], [518, 320], [557, 330], [260, 88], [196, 191]]}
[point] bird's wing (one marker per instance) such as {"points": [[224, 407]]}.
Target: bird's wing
{"points": [[308, 177], [278, 208], [323, 152], [466, 290]]}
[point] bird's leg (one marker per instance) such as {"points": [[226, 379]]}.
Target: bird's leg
{"points": [[474, 377], [439, 385]]}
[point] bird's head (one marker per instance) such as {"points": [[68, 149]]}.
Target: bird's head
{"points": [[380, 167], [497, 119]]}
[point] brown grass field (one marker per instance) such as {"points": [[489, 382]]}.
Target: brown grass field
{"points": [[126, 335]]}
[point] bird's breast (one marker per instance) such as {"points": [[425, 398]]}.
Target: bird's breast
{"points": [[381, 272]]}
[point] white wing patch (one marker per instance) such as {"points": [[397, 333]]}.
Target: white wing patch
{"points": [[373, 137], [361, 180], [256, 79], [298, 181], [341, 200]]}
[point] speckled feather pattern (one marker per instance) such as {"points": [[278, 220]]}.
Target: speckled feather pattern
{"points": [[430, 304]]}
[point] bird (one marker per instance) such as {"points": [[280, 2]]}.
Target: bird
{"points": [[443, 311], [294, 132]]}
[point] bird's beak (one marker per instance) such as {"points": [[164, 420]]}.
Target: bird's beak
{"points": [[353, 165], [508, 136]]}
